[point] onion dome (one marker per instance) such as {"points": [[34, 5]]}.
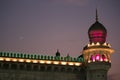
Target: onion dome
{"points": [[97, 32]]}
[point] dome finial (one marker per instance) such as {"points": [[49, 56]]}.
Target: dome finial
{"points": [[96, 15]]}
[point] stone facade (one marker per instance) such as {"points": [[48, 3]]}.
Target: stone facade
{"points": [[29, 71]]}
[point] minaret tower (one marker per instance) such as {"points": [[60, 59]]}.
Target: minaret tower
{"points": [[97, 53]]}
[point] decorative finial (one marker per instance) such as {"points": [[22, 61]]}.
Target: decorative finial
{"points": [[96, 15], [57, 53]]}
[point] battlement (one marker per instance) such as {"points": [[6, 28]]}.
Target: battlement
{"points": [[34, 58]]}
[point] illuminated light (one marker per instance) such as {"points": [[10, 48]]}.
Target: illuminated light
{"points": [[89, 61], [63, 63], [48, 62], [92, 44], [105, 44], [77, 64], [35, 61], [28, 60], [55, 62], [14, 60], [1, 59], [109, 45], [7, 59], [101, 59], [88, 45], [93, 60], [21, 60], [97, 43], [42, 61], [106, 60], [97, 57], [70, 63], [105, 49]]}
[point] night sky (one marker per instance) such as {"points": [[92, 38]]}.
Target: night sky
{"points": [[43, 26]]}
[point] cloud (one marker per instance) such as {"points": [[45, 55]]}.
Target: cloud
{"points": [[72, 2]]}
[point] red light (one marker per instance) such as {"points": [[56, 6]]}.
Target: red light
{"points": [[92, 58], [97, 36]]}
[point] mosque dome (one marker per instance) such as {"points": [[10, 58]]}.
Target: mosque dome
{"points": [[97, 32]]}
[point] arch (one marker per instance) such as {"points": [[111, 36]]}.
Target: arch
{"points": [[49, 68], [42, 68], [56, 69], [22, 66], [28, 67], [69, 69], [75, 70], [36, 67], [18, 55], [21, 55], [5, 65], [15, 55], [1, 53], [14, 66], [63, 69]]}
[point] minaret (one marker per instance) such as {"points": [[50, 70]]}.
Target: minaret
{"points": [[97, 53]]}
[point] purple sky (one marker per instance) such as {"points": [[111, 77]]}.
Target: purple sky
{"points": [[43, 26]]}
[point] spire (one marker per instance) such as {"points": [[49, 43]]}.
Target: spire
{"points": [[96, 15]]}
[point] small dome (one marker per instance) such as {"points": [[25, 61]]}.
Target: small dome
{"points": [[97, 33], [97, 26], [57, 53]]}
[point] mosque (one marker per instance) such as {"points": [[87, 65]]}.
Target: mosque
{"points": [[92, 64]]}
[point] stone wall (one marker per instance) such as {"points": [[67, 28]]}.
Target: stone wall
{"points": [[30, 71]]}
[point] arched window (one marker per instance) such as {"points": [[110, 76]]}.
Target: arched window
{"points": [[42, 68], [103, 57], [97, 57], [62, 69], [69, 70], [28, 67], [36, 67], [49, 68], [92, 58]]}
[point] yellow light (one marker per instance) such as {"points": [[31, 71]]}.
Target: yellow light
{"points": [[48, 62], [55, 62], [97, 43], [21, 60], [14, 60], [93, 60], [70, 63], [7, 59], [77, 64], [106, 60], [28, 60], [1, 59], [35, 61], [105, 44], [101, 59], [42, 61], [88, 45], [63, 63], [92, 44], [89, 61], [109, 45]]}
